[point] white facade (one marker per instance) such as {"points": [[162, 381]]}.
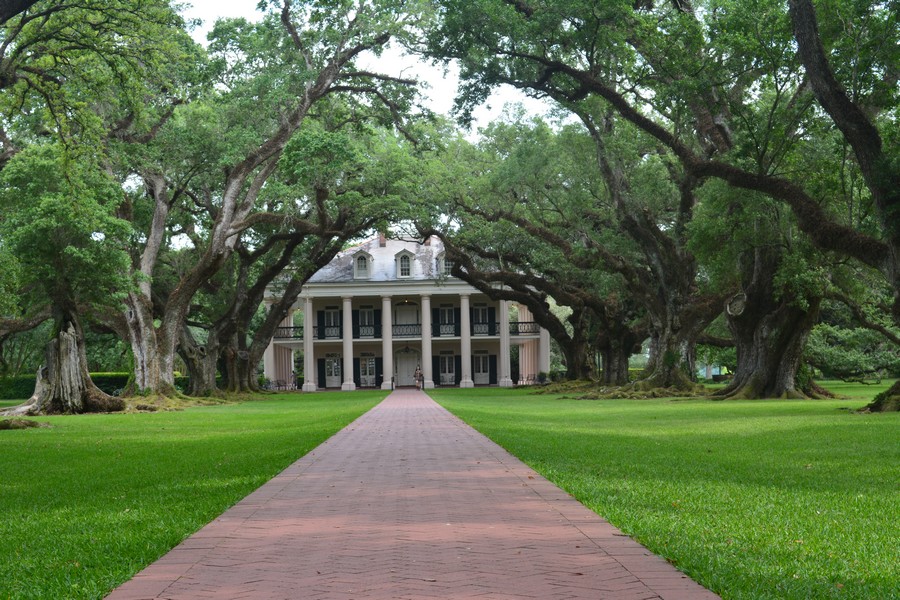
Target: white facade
{"points": [[382, 309]]}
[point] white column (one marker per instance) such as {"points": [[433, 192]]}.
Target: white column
{"points": [[269, 361], [347, 320], [309, 359], [387, 343], [426, 343], [505, 367], [465, 342], [544, 352]]}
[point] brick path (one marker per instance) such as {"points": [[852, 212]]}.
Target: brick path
{"points": [[409, 502]]}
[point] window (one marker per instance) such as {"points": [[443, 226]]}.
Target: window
{"points": [[480, 322], [445, 265], [361, 265], [366, 321], [447, 321], [405, 268], [332, 322]]}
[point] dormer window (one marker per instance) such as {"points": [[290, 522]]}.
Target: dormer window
{"points": [[362, 266], [404, 265], [445, 265]]}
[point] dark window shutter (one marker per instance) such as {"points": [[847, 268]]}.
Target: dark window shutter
{"points": [[357, 374], [436, 323], [354, 317], [320, 321], [321, 369], [377, 316], [436, 369], [492, 320], [457, 363], [492, 369], [379, 370], [457, 328]]}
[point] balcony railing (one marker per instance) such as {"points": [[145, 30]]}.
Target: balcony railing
{"points": [[524, 328], [407, 331], [288, 333], [412, 330]]}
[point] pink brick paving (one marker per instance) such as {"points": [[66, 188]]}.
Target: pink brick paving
{"points": [[408, 502]]}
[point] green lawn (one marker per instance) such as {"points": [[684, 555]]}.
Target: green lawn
{"points": [[754, 499], [89, 502]]}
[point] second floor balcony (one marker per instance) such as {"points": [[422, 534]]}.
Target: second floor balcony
{"points": [[410, 330]]}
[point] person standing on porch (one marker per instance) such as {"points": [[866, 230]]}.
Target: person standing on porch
{"points": [[418, 377]]}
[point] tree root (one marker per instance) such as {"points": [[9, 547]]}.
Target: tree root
{"points": [[886, 401], [8, 424]]}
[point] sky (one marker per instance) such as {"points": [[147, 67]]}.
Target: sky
{"points": [[443, 86]]}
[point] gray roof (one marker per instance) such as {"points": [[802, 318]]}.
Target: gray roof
{"points": [[383, 266]]}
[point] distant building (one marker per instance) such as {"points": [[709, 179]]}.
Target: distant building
{"points": [[385, 307]]}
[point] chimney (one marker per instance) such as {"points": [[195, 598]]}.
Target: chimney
{"points": [[382, 242]]}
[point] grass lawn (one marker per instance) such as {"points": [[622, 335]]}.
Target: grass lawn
{"points": [[90, 501], [753, 499]]}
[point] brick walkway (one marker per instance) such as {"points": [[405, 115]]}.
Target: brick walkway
{"points": [[409, 502]]}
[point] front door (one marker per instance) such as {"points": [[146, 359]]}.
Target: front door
{"points": [[406, 368], [448, 369], [333, 371], [367, 371], [481, 374]]}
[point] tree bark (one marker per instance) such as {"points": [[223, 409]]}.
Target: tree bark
{"points": [[614, 356], [770, 334], [201, 361], [887, 401], [64, 384]]}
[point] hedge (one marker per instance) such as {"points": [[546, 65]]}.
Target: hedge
{"points": [[22, 386]]}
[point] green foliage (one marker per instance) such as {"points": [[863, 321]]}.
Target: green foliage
{"points": [[10, 277], [852, 353], [133, 486], [77, 66], [59, 220], [752, 499]]}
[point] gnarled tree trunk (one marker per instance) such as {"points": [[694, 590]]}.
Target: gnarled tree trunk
{"points": [[63, 384], [769, 336], [201, 362], [886, 401]]}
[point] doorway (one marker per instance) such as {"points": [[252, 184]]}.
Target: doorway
{"points": [[405, 362], [333, 371]]}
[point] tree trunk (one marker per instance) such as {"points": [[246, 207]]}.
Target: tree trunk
{"points": [[672, 361], [616, 344], [614, 357], [578, 364], [241, 369], [886, 401], [201, 361], [148, 370], [769, 337], [63, 384]]}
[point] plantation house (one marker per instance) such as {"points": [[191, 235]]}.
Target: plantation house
{"points": [[383, 308]]}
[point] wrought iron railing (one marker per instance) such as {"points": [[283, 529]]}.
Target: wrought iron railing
{"points": [[410, 330], [524, 328], [413, 330], [446, 330], [288, 332]]}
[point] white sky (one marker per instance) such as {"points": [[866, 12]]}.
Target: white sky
{"points": [[443, 89]]}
